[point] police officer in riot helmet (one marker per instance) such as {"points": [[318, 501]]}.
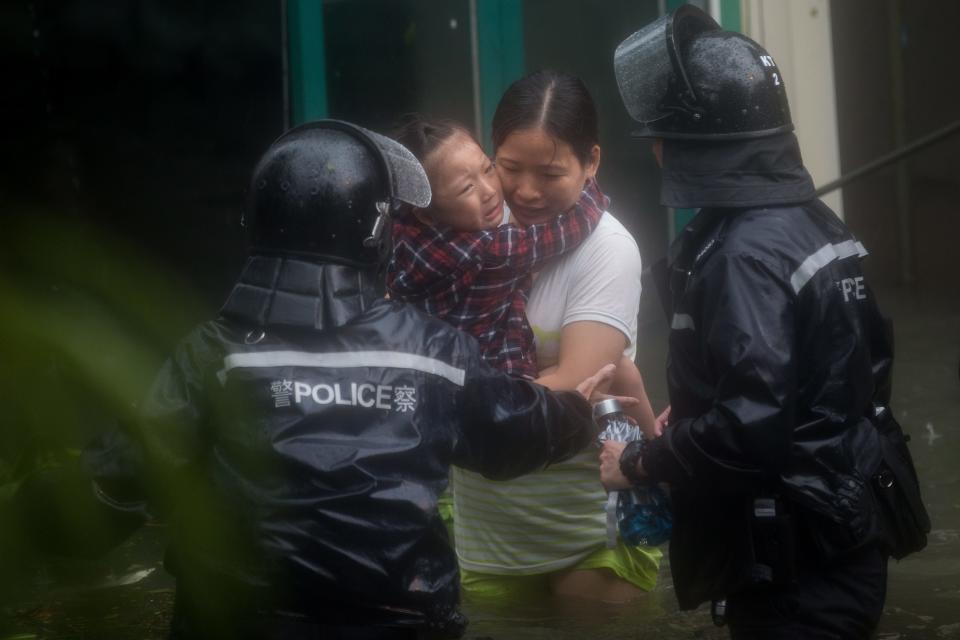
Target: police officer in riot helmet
{"points": [[779, 359], [297, 445]]}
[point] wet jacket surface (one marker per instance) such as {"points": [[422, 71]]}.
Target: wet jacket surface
{"points": [[777, 356], [301, 442]]}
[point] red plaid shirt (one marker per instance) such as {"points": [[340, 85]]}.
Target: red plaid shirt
{"points": [[478, 281]]}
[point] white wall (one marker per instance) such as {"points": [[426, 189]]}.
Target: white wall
{"points": [[797, 34]]}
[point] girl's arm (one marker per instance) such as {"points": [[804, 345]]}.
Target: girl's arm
{"points": [[526, 248]]}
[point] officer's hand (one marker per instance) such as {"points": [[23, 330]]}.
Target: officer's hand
{"points": [[610, 475], [598, 384], [594, 389]]}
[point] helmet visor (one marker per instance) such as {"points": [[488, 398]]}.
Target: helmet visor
{"points": [[408, 180], [645, 62], [643, 69]]}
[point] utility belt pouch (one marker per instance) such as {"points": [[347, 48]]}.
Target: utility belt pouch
{"points": [[903, 516], [773, 536]]}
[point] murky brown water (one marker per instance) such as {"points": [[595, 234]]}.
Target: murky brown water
{"points": [[74, 601]]}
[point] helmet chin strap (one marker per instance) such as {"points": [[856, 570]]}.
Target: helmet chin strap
{"points": [[379, 225], [379, 238]]}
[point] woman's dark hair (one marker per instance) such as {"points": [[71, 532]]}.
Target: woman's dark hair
{"points": [[556, 102], [423, 135]]}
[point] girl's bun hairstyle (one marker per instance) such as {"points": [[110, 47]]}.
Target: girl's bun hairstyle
{"points": [[423, 135]]}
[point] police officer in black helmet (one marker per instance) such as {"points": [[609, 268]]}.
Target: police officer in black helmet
{"points": [[297, 444], [779, 360]]}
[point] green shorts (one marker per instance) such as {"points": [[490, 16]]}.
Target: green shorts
{"points": [[637, 565]]}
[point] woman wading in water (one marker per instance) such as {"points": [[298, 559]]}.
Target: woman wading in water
{"points": [[546, 532]]}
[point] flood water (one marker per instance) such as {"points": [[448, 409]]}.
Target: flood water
{"points": [[120, 597]]}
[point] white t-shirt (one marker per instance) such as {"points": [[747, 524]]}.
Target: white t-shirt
{"points": [[598, 281], [552, 519]]}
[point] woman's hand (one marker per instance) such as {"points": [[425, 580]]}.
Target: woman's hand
{"points": [[661, 422], [610, 475]]}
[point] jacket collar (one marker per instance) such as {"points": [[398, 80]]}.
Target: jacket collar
{"points": [[297, 292]]}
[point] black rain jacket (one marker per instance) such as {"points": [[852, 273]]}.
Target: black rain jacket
{"points": [[297, 447], [778, 356]]}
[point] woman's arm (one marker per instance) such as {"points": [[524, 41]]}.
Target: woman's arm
{"points": [[599, 315], [628, 382], [585, 346]]}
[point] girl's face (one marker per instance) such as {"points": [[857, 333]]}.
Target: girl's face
{"points": [[541, 175], [466, 190]]}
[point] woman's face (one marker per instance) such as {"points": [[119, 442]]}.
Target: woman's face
{"points": [[466, 190], [541, 175]]}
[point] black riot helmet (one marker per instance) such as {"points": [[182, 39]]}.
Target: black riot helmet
{"points": [[684, 77], [327, 190]]}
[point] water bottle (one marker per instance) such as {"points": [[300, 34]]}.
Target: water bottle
{"points": [[640, 515]]}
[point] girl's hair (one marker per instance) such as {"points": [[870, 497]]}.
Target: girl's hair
{"points": [[556, 102], [422, 135]]}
